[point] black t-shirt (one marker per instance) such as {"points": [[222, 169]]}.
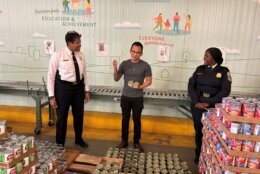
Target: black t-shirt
{"points": [[136, 72]]}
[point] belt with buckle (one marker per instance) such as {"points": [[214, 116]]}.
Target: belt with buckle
{"points": [[72, 83], [206, 95]]}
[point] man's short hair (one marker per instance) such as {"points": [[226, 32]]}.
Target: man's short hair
{"points": [[137, 44], [71, 36]]}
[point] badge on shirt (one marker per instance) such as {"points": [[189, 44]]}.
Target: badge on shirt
{"points": [[219, 75], [229, 76], [199, 73], [64, 60]]}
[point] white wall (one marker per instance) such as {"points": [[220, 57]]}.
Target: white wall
{"points": [[234, 24]]}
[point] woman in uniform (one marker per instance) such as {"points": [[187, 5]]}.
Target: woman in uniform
{"points": [[207, 86]]}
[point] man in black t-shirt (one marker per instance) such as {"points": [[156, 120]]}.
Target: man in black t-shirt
{"points": [[137, 76]]}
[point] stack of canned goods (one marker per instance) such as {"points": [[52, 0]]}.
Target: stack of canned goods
{"points": [[107, 167], [51, 157], [150, 163], [14, 147], [247, 107], [233, 144]]}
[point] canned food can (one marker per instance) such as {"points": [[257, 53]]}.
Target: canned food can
{"points": [[228, 160], [257, 112], [248, 109], [217, 110], [8, 155], [253, 163], [248, 146], [11, 170], [226, 123], [236, 144], [32, 170], [31, 157], [240, 161], [21, 137], [225, 100], [247, 128], [235, 127], [30, 142], [17, 151], [26, 161], [50, 166], [24, 145], [257, 147], [2, 128], [19, 167], [14, 137], [257, 129], [234, 108]]}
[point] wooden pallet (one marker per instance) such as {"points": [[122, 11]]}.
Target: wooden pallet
{"points": [[84, 163]]}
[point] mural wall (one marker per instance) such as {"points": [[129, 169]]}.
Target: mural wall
{"points": [[175, 34]]}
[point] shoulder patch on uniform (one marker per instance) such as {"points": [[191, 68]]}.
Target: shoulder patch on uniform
{"points": [[229, 76], [219, 75]]}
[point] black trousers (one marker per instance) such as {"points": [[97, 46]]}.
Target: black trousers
{"points": [[69, 95], [197, 115], [135, 105]]}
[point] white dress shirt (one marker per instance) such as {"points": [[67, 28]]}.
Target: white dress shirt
{"points": [[62, 60]]}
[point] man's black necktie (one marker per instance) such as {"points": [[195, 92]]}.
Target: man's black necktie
{"points": [[76, 68]]}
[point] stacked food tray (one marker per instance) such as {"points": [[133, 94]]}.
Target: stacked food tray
{"points": [[231, 137], [17, 153]]}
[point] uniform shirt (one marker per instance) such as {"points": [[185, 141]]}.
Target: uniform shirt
{"points": [[63, 61], [215, 82], [136, 72]]}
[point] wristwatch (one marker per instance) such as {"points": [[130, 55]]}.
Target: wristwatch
{"points": [[51, 97]]}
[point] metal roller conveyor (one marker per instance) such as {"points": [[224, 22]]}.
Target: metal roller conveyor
{"points": [[176, 99], [37, 90]]}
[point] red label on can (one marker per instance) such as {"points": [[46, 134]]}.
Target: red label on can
{"points": [[253, 163], [240, 161], [248, 109]]}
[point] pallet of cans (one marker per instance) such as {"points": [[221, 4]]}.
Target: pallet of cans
{"points": [[17, 155], [149, 163], [52, 158], [232, 131]]}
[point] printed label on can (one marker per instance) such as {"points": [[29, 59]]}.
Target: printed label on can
{"points": [[248, 109], [253, 163]]}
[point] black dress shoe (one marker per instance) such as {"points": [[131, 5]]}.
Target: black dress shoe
{"points": [[82, 144], [139, 147], [196, 160], [123, 144]]}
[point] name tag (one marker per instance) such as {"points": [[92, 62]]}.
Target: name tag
{"points": [[64, 60]]}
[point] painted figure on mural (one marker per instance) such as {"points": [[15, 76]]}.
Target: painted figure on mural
{"points": [[66, 5], [176, 20], [75, 5], [167, 25], [188, 23], [88, 6], [158, 21]]}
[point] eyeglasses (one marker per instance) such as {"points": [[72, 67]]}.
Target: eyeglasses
{"points": [[134, 52]]}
